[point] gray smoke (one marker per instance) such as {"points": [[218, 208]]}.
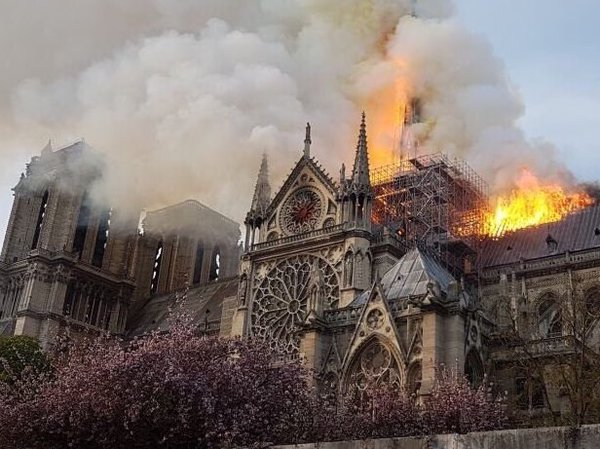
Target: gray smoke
{"points": [[183, 97]]}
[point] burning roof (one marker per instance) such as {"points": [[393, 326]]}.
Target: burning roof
{"points": [[575, 232]]}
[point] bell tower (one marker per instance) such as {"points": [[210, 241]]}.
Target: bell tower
{"points": [[65, 256]]}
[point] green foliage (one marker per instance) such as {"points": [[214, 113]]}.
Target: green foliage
{"points": [[19, 354]]}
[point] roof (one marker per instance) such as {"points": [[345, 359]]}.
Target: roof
{"points": [[304, 161], [576, 232], [410, 277], [191, 218], [202, 303]]}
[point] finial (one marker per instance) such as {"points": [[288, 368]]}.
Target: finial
{"points": [[363, 125], [360, 172], [307, 141]]}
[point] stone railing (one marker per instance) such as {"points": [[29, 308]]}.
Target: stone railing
{"points": [[346, 315], [550, 261], [509, 349], [349, 315], [389, 239], [299, 237]]}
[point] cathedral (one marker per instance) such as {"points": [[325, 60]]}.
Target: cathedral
{"points": [[378, 275]]}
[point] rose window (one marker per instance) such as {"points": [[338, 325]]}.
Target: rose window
{"points": [[281, 300], [375, 319], [302, 211]]}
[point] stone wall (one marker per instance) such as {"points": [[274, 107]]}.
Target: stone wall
{"points": [[588, 437]]}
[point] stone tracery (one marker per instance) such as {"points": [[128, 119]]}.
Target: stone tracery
{"points": [[374, 364], [302, 211], [281, 300]]}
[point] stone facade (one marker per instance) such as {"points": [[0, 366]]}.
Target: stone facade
{"points": [[70, 259], [320, 281], [316, 277]]}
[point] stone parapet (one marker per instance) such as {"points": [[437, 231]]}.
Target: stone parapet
{"points": [[587, 437]]}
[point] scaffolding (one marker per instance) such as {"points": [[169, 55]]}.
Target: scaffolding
{"points": [[434, 202]]}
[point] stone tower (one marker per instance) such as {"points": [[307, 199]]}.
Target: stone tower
{"points": [[65, 257], [184, 245]]}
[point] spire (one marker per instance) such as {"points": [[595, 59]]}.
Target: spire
{"points": [[307, 141], [48, 148], [262, 193], [360, 172], [408, 144]]}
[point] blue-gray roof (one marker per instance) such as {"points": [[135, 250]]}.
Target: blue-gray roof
{"points": [[410, 276]]}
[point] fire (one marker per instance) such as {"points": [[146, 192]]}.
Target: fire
{"points": [[385, 108], [531, 204]]}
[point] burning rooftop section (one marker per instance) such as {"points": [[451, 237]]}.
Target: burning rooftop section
{"points": [[435, 200], [532, 203], [431, 200]]}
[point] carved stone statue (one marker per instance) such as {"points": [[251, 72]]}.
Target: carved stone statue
{"points": [[317, 285], [243, 286], [348, 270]]}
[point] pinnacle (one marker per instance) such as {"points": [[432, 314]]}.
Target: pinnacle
{"points": [[307, 141], [262, 191], [360, 172]]}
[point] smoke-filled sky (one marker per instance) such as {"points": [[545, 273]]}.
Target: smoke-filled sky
{"points": [[183, 96]]}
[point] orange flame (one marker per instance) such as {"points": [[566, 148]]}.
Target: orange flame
{"points": [[532, 204]]}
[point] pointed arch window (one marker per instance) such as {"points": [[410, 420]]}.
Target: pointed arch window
{"points": [[158, 255], [83, 221], [592, 305], [198, 263], [549, 317], [474, 368], [69, 304], [530, 392], [101, 238], [215, 265], [40, 220], [374, 364]]}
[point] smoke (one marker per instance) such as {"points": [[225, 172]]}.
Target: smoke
{"points": [[592, 189], [183, 97]]}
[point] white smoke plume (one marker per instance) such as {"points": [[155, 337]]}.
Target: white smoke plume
{"points": [[183, 97]]}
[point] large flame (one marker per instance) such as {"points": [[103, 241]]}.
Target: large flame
{"points": [[385, 109], [531, 204]]}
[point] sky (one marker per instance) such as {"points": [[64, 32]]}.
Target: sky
{"points": [[550, 50]]}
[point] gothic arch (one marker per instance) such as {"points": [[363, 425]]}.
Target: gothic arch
{"points": [[474, 369], [414, 377], [375, 361], [591, 298], [548, 316]]}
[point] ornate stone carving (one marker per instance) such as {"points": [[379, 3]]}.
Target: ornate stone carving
{"points": [[280, 302], [374, 364], [302, 211], [375, 319]]}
